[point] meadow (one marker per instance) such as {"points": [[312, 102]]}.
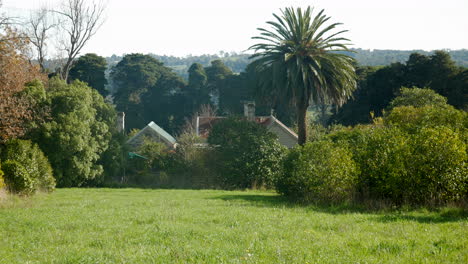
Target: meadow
{"points": [[212, 226]]}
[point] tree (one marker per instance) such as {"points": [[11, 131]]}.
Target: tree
{"points": [[216, 74], [303, 61], [38, 29], [148, 91], [197, 90], [91, 68], [78, 132], [79, 22], [248, 154], [16, 111]]}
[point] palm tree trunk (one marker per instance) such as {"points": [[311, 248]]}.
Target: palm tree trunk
{"points": [[302, 122]]}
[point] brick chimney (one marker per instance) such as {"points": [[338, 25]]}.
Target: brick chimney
{"points": [[249, 110], [120, 122]]}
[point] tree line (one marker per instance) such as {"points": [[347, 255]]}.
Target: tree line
{"points": [[62, 118]]}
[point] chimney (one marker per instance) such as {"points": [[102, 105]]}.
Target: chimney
{"points": [[249, 110], [120, 122]]}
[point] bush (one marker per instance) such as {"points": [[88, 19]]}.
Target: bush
{"points": [[318, 171], [2, 181], [196, 162], [426, 166], [33, 160], [152, 165], [17, 178], [438, 168], [383, 162], [248, 155], [418, 97], [411, 119]]}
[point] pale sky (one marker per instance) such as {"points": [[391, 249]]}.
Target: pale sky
{"points": [[182, 27]]}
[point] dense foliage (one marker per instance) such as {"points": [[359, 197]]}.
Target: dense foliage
{"points": [[17, 178], [16, 111], [33, 161], [418, 97], [77, 133], [414, 155], [147, 91], [249, 155], [90, 68], [318, 171], [2, 181], [378, 86]]}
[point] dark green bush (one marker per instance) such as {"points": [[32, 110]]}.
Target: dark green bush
{"points": [[17, 178], [33, 160], [248, 155], [318, 171]]}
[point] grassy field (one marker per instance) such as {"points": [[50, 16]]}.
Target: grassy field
{"points": [[207, 226]]}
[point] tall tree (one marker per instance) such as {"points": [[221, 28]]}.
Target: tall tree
{"points": [[197, 90], [15, 71], [77, 134], [146, 90], [38, 30], [216, 73], [90, 68], [78, 22], [302, 60]]}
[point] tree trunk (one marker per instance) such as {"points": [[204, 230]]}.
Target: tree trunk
{"points": [[302, 122]]}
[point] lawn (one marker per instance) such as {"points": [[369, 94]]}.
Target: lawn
{"points": [[210, 226]]}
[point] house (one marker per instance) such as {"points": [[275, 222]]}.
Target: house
{"points": [[154, 132], [286, 136]]}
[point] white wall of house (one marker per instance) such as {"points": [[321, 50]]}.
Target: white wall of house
{"points": [[284, 137]]}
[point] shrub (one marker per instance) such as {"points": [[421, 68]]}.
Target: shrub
{"points": [[426, 166], [33, 160], [438, 168], [383, 162], [411, 119], [2, 181], [318, 171], [196, 162], [17, 178], [418, 97], [248, 155]]}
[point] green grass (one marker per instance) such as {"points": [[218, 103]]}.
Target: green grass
{"points": [[207, 226]]}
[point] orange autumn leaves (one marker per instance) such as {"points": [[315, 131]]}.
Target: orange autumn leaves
{"points": [[16, 69]]}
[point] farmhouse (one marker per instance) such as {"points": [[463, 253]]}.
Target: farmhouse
{"points": [[286, 136]]}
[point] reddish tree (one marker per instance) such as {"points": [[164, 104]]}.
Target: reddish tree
{"points": [[15, 71]]}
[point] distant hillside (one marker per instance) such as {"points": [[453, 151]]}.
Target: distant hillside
{"points": [[238, 62], [385, 57]]}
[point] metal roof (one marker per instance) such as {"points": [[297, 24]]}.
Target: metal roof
{"points": [[153, 128]]}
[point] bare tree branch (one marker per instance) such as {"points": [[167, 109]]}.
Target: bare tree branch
{"points": [[38, 29], [80, 23]]}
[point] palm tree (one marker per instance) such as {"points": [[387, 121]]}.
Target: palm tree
{"points": [[302, 61]]}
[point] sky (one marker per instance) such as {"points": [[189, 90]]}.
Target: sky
{"points": [[195, 27]]}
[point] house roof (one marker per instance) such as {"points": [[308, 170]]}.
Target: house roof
{"points": [[205, 124], [154, 130]]}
